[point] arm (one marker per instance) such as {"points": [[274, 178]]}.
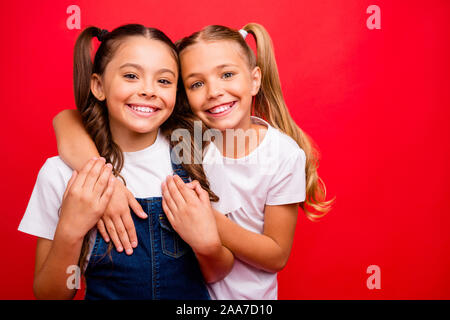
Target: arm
{"points": [[84, 201], [268, 251], [190, 214], [76, 147], [52, 260]]}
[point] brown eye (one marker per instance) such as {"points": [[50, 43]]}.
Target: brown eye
{"points": [[130, 76], [164, 81], [196, 85]]}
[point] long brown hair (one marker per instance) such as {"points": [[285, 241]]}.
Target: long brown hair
{"points": [[94, 113], [269, 103]]}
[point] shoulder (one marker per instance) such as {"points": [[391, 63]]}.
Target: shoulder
{"points": [[54, 176], [41, 216], [55, 168], [284, 146]]}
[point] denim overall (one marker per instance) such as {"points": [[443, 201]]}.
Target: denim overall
{"points": [[162, 266]]}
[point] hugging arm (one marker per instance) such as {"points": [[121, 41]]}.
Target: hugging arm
{"points": [[76, 147], [268, 251], [189, 211]]}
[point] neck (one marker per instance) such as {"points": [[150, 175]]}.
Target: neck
{"points": [[131, 141], [241, 141]]}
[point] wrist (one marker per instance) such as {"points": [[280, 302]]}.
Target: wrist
{"points": [[68, 234], [210, 250]]}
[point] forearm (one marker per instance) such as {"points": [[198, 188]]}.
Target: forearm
{"points": [[75, 146], [216, 264], [51, 280], [258, 250]]}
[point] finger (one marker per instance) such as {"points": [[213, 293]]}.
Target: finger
{"points": [[135, 206], [102, 229], [93, 174], [192, 184], [187, 193], [174, 192], [107, 194], [131, 230], [103, 180], [78, 183], [123, 235], [202, 193], [168, 198], [69, 184], [113, 235], [169, 214]]}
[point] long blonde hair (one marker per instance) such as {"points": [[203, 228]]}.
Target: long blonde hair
{"points": [[269, 104]]}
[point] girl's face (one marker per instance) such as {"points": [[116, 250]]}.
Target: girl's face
{"points": [[139, 85], [219, 83]]}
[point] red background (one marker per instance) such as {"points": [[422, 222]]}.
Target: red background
{"points": [[375, 101]]}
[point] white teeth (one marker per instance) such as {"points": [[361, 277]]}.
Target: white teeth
{"points": [[143, 109], [220, 109]]}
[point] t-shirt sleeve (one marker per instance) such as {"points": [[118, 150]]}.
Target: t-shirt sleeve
{"points": [[41, 216], [288, 184]]}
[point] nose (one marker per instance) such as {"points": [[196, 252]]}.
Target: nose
{"points": [[214, 90], [147, 90]]}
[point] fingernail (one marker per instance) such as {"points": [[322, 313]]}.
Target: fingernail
{"points": [[120, 249], [134, 244], [109, 165], [129, 251], [144, 214]]}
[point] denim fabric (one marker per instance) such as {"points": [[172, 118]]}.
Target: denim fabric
{"points": [[162, 266]]}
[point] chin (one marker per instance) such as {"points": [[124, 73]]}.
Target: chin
{"points": [[222, 124]]}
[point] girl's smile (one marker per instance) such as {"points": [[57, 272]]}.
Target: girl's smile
{"points": [[143, 110], [221, 110]]}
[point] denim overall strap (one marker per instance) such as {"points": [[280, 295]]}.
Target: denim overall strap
{"points": [[179, 170]]}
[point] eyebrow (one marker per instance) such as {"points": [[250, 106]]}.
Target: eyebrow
{"points": [[217, 68], [139, 67]]}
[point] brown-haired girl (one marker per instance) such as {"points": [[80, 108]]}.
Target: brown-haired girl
{"points": [[125, 97]]}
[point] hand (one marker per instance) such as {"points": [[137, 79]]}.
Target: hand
{"points": [[189, 211], [117, 220], [86, 197]]}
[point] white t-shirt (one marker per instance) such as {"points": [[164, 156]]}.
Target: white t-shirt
{"points": [[143, 171], [272, 174]]}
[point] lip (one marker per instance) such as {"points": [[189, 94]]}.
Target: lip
{"points": [[224, 113], [142, 114]]}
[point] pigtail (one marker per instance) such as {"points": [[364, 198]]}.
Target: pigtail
{"points": [[93, 112], [82, 66], [269, 104]]}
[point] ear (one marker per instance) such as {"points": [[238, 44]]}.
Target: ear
{"points": [[97, 87], [256, 80]]}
